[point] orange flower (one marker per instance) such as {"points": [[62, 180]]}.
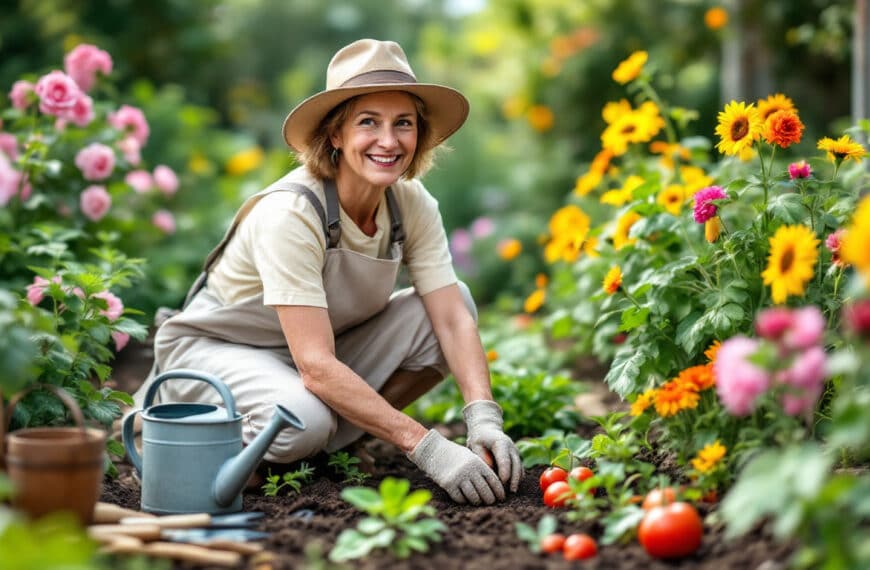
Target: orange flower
{"points": [[712, 351], [709, 457], [697, 378], [541, 280], [534, 301], [540, 117], [508, 249], [783, 128], [712, 229], [643, 402], [491, 355], [774, 103], [673, 397], [613, 280], [716, 18]]}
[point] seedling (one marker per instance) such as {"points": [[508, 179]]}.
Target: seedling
{"points": [[535, 536], [345, 464], [292, 479], [392, 522]]}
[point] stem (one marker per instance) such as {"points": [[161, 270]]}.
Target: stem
{"points": [[651, 93]]}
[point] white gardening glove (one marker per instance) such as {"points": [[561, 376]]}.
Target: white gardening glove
{"points": [[457, 470], [486, 436]]}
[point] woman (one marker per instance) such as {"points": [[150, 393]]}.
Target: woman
{"points": [[299, 306]]}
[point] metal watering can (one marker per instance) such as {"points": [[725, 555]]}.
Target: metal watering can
{"points": [[192, 458]]}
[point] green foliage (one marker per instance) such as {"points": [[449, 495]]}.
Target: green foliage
{"points": [[54, 542], [292, 479], [393, 522], [346, 464], [554, 447], [533, 536]]}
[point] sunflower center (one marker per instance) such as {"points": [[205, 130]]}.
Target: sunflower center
{"points": [[628, 129], [785, 262], [739, 128]]}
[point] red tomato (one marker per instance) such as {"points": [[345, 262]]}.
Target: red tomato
{"points": [[556, 494], [671, 531], [552, 543], [551, 475], [659, 497], [579, 547], [581, 474]]}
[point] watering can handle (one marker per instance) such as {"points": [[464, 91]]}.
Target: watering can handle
{"points": [[187, 374], [129, 439]]}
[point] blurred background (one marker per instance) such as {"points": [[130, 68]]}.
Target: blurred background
{"points": [[216, 78]]}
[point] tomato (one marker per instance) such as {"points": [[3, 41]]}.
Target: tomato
{"points": [[552, 475], [671, 531], [711, 496], [552, 543], [556, 494], [579, 547], [659, 497], [581, 474]]}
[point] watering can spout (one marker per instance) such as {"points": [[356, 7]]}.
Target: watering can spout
{"points": [[234, 473]]}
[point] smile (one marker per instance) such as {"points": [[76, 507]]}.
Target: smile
{"points": [[384, 160]]}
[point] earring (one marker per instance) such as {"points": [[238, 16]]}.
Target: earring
{"points": [[333, 156]]}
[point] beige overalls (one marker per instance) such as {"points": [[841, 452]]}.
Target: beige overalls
{"points": [[377, 332]]}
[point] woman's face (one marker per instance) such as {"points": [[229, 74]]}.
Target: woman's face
{"points": [[378, 139]]}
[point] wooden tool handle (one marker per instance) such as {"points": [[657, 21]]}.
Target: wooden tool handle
{"points": [[99, 532], [192, 553], [244, 548], [121, 544], [109, 513], [172, 521]]}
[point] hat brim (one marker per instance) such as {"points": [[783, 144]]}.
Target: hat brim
{"points": [[446, 108]]}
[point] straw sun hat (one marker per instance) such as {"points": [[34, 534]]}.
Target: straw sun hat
{"points": [[369, 66]]}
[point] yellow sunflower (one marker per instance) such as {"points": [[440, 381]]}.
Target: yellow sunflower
{"points": [[670, 152], [774, 103], [534, 301], [568, 219], [853, 248], [623, 226], [620, 196], [694, 179], [793, 253], [673, 397], [245, 161], [671, 199], [601, 162], [643, 402], [709, 457], [739, 127], [629, 69], [636, 126], [843, 148], [613, 110], [612, 281], [587, 183], [590, 247]]}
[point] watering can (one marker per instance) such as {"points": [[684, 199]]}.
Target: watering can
{"points": [[192, 459]]}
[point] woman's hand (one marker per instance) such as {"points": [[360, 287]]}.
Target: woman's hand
{"points": [[486, 435]]}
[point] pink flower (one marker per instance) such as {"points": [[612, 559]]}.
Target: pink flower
{"points": [[96, 161], [482, 227], [165, 179], [140, 180], [460, 241], [856, 317], [20, 94], [832, 242], [83, 63], [704, 210], [36, 290], [12, 182], [808, 369], [82, 112], [129, 118], [9, 145], [773, 323], [800, 401], [95, 202], [57, 93], [130, 147], [164, 221], [808, 326], [121, 340], [739, 382], [114, 307], [799, 170]]}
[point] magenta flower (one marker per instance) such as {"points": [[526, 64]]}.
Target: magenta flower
{"points": [[57, 93], [773, 323], [799, 170], [739, 383], [856, 317], [131, 119], [95, 202], [20, 94], [96, 161], [115, 307], [83, 63], [165, 179], [704, 210], [808, 370]]}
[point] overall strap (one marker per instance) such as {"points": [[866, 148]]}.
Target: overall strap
{"points": [[397, 231], [332, 222]]}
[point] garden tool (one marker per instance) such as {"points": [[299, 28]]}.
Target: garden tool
{"points": [[199, 520], [192, 458], [207, 535]]}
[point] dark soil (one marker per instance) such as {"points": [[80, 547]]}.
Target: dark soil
{"points": [[476, 537]]}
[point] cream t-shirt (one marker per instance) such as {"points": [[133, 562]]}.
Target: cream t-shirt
{"points": [[279, 247]]}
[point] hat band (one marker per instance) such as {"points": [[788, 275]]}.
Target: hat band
{"points": [[379, 77]]}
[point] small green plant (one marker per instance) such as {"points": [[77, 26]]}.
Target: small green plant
{"points": [[533, 536], [292, 479], [554, 447], [346, 464], [392, 522]]}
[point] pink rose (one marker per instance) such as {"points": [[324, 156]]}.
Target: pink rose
{"points": [[36, 290], [140, 180], [83, 63], [9, 145], [20, 94], [115, 307], [773, 323], [57, 93], [482, 227], [82, 112], [129, 118], [799, 170], [808, 326], [121, 340], [96, 161], [832, 242], [739, 382], [800, 401], [130, 147], [808, 369], [165, 179], [12, 182], [164, 221], [95, 202]]}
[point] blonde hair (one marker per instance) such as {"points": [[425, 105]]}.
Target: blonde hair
{"points": [[318, 156]]}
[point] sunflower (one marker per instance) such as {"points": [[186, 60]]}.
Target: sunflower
{"points": [[629, 69], [697, 378], [709, 457], [853, 247], [642, 402], [534, 301], [793, 253], [694, 179], [673, 397], [601, 162], [843, 148], [626, 126], [623, 226], [590, 247], [783, 128], [613, 110], [569, 227], [620, 196], [612, 281], [671, 199], [774, 103], [739, 127], [587, 183], [669, 152]]}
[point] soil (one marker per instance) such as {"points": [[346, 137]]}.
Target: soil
{"points": [[476, 537]]}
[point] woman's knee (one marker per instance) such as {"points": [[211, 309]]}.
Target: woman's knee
{"points": [[292, 444]]}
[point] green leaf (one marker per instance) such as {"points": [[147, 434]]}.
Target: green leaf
{"points": [[787, 207], [624, 374], [621, 522], [633, 318], [370, 525], [363, 498]]}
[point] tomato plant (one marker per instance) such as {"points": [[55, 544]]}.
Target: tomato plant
{"points": [[581, 474], [552, 543], [579, 547], [551, 475], [671, 531], [659, 497], [557, 493]]}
